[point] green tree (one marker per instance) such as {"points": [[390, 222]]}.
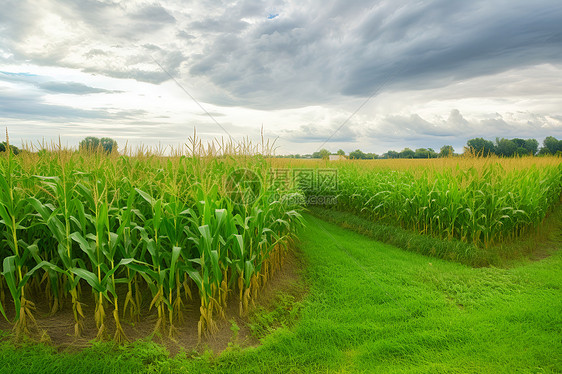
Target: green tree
{"points": [[323, 153], [520, 143], [109, 145], [356, 155], [505, 147], [446, 151], [407, 153], [4, 147], [480, 146], [421, 153], [552, 144], [532, 145], [522, 151], [392, 154], [526, 147], [544, 152], [91, 144], [340, 152]]}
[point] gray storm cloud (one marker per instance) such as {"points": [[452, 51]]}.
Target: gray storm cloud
{"points": [[272, 56]]}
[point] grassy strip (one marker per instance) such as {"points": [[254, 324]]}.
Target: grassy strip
{"points": [[283, 313], [371, 308], [535, 245], [453, 250]]}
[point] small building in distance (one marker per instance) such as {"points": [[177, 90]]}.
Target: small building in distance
{"points": [[337, 157]]}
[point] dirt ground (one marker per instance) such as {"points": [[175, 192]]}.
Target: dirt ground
{"points": [[58, 329]]}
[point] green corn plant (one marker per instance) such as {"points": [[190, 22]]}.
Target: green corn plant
{"points": [[59, 222], [100, 246], [128, 247], [485, 206], [102, 283], [173, 229], [110, 253], [93, 225], [13, 213], [252, 235], [209, 270], [161, 275], [23, 319]]}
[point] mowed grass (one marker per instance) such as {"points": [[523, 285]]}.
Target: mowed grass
{"points": [[373, 308]]}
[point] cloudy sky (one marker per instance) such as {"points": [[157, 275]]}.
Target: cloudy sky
{"points": [[374, 75]]}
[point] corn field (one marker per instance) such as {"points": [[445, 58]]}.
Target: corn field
{"points": [[123, 227], [480, 201]]}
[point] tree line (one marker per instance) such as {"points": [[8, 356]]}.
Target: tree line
{"points": [[478, 146], [4, 147], [91, 143]]}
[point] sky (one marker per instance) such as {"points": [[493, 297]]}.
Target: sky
{"points": [[369, 75]]}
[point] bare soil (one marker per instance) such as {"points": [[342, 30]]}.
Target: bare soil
{"points": [[58, 329]]}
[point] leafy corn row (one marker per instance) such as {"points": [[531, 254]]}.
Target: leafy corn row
{"points": [[118, 225], [484, 206]]}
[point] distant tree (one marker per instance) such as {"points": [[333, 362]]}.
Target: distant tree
{"points": [[526, 146], [357, 155], [480, 146], [109, 145], [522, 151], [505, 147], [371, 156], [446, 151], [531, 145], [323, 153], [4, 147], [552, 144], [407, 153], [519, 143], [340, 152], [421, 153], [425, 153], [392, 154], [432, 153], [91, 143], [544, 152]]}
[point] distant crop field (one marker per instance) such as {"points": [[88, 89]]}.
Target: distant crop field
{"points": [[484, 201]]}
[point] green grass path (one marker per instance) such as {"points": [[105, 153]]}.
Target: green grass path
{"points": [[374, 308]]}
